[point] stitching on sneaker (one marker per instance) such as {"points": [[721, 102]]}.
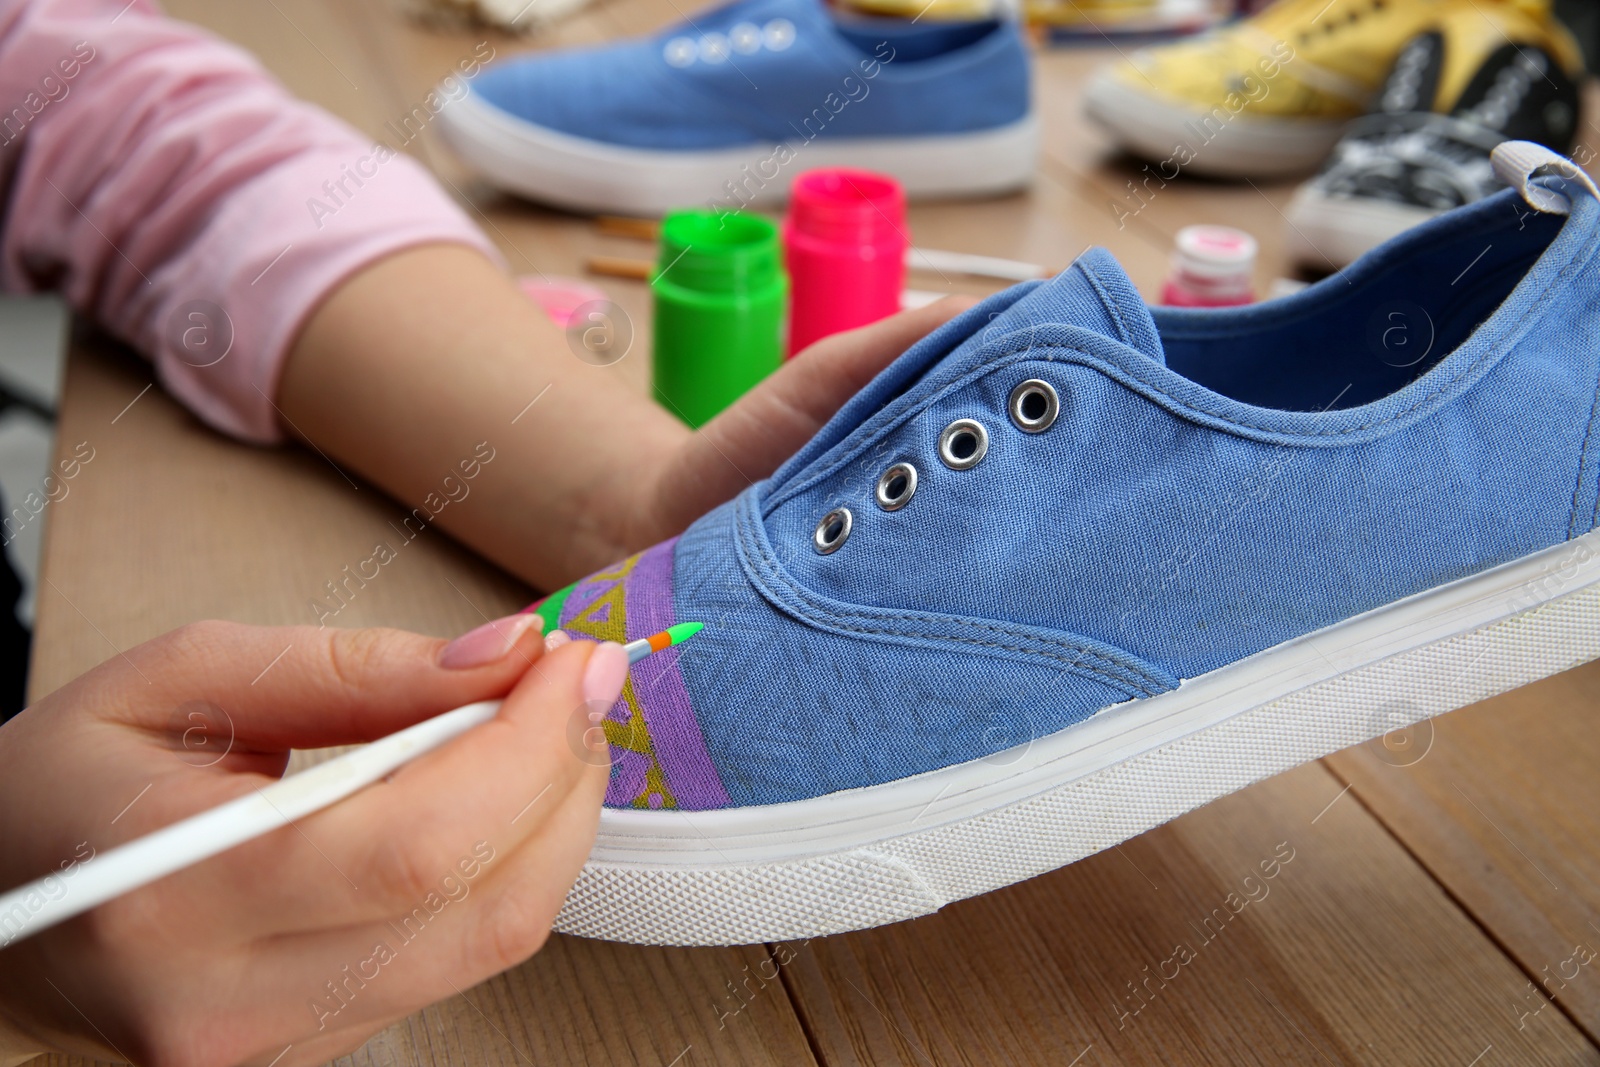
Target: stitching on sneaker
{"points": [[1584, 473], [1120, 675]]}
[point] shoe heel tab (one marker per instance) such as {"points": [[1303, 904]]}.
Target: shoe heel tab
{"points": [[1518, 163]]}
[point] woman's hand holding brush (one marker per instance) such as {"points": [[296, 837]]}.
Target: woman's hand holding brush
{"points": [[317, 935]]}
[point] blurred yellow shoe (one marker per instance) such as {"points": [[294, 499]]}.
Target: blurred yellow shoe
{"points": [[1094, 12], [925, 10], [1105, 17], [1457, 91], [1098, 17], [1269, 95]]}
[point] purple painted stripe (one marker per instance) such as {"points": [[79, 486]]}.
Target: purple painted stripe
{"points": [[659, 686], [628, 771]]}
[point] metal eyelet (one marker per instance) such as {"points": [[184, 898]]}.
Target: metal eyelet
{"points": [[1034, 406], [963, 444], [895, 486], [832, 531]]}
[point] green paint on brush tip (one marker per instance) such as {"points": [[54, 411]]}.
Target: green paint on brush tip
{"points": [[681, 632]]}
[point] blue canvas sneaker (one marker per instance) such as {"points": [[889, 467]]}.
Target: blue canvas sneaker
{"points": [[1071, 567], [724, 109]]}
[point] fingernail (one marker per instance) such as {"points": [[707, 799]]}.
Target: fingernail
{"points": [[486, 644], [555, 639], [604, 676]]}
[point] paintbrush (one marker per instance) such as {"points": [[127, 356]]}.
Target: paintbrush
{"points": [[156, 855]]}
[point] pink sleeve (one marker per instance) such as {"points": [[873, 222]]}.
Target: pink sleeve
{"points": [[176, 193]]}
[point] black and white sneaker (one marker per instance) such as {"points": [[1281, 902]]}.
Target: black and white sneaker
{"points": [[1453, 94]]}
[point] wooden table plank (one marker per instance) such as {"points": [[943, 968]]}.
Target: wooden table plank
{"points": [[169, 522], [591, 1002], [1501, 803], [1350, 953]]}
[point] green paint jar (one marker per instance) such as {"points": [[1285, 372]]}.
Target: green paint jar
{"points": [[719, 291]]}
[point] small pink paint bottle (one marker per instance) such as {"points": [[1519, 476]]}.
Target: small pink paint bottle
{"points": [[1211, 268], [844, 244]]}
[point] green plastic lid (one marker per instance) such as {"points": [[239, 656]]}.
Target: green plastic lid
{"points": [[710, 252]]}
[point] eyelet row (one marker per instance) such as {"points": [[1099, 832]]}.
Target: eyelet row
{"points": [[746, 39], [1033, 406]]}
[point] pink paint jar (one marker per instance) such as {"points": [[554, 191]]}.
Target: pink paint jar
{"points": [[1212, 267], [844, 244]]}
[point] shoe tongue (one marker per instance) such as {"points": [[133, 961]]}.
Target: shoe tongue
{"points": [[1092, 294]]}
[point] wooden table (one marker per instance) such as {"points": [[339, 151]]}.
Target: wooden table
{"points": [[1429, 885]]}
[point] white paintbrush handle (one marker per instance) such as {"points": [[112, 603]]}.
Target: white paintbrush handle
{"points": [[937, 259], [39, 905]]}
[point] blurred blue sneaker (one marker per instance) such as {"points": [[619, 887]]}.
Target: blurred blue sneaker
{"points": [[1071, 567], [726, 108]]}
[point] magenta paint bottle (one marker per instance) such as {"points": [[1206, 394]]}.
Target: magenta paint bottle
{"points": [[1212, 267], [844, 243]]}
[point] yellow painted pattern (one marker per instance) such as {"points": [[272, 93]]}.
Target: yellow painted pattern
{"points": [[607, 620]]}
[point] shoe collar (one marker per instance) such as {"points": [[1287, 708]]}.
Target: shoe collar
{"points": [[1091, 313]]}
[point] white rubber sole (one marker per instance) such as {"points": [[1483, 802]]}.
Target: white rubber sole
{"points": [[1332, 232], [583, 175], [876, 855], [1222, 144]]}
